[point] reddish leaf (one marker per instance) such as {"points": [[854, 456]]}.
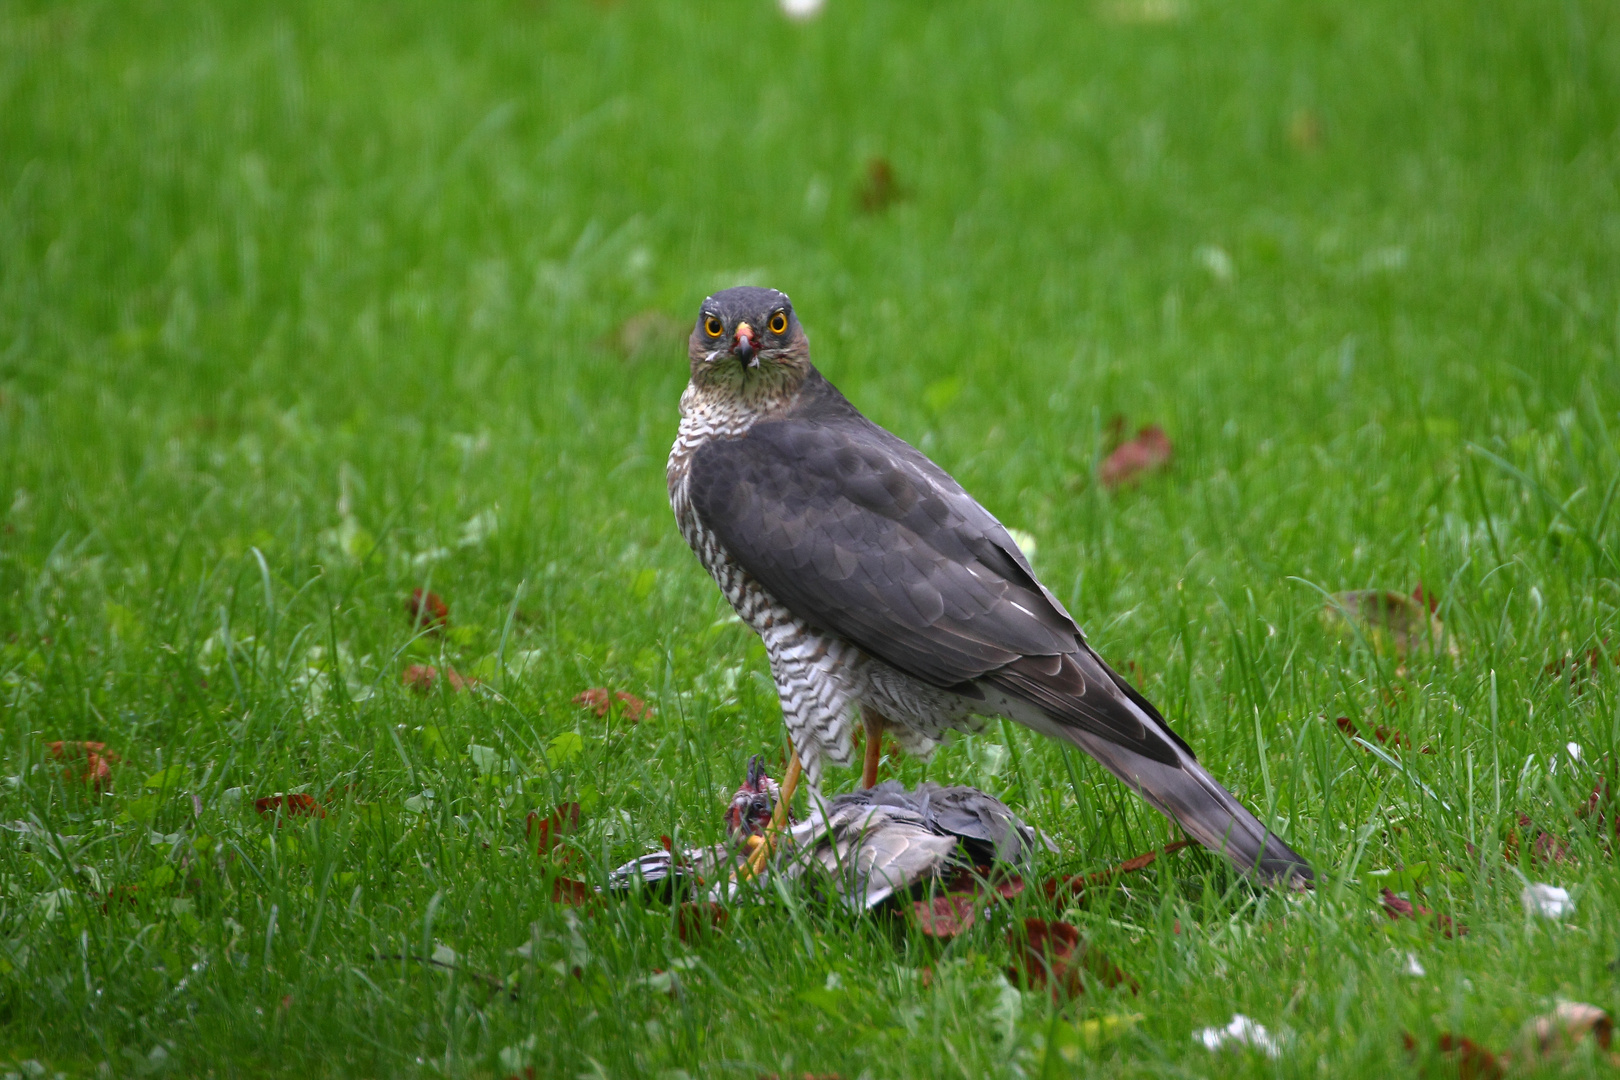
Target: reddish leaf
{"points": [[289, 806], [1009, 888], [96, 773], [880, 189], [1387, 736], [600, 701], [427, 612], [122, 896], [1056, 887], [699, 919], [1426, 598], [1549, 848], [571, 892], [1130, 461], [1398, 908], [561, 821], [667, 844], [420, 677], [1474, 1062], [1052, 954], [943, 917]]}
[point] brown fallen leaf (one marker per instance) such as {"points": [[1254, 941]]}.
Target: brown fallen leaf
{"points": [[122, 896], [1474, 1062], [602, 701], [97, 770], [943, 917], [1052, 954], [1581, 667], [697, 919], [571, 892], [1077, 884], [1390, 621], [1387, 736], [1148, 451], [545, 829], [879, 190], [1396, 908], [427, 611], [422, 677], [282, 807]]}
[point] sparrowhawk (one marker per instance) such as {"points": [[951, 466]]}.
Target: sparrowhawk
{"points": [[880, 586]]}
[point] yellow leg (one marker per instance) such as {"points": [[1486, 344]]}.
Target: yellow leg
{"points": [[790, 784], [874, 744]]}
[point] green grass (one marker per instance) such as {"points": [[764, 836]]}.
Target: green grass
{"points": [[291, 294]]}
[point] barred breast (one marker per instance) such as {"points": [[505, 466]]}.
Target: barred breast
{"points": [[820, 677]]}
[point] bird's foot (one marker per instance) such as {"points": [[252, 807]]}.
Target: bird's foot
{"points": [[760, 847], [875, 723]]}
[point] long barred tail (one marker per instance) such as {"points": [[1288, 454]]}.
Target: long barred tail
{"points": [[1080, 699], [1186, 793]]}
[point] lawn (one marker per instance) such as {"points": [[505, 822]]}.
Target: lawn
{"points": [[305, 306]]}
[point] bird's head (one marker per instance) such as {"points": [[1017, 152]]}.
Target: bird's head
{"points": [[748, 337], [750, 809]]}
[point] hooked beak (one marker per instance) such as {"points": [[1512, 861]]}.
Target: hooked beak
{"points": [[743, 345]]}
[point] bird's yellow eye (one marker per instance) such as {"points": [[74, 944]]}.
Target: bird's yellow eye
{"points": [[713, 326], [778, 323]]}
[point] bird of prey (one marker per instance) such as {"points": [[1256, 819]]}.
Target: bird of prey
{"points": [[865, 845], [881, 588]]}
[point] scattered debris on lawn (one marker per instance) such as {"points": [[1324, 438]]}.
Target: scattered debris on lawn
{"points": [[1074, 886], [282, 807], [427, 612], [1581, 667], [944, 917], [98, 760], [1241, 1032], [1147, 452], [568, 891], [1391, 621], [696, 919], [601, 701], [1548, 901], [880, 189], [422, 678], [1398, 908], [1386, 736], [1473, 1061], [1053, 954], [545, 829]]}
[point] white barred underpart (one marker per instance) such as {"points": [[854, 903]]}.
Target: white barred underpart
{"points": [[821, 678]]}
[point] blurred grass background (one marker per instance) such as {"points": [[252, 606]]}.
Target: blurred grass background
{"points": [[303, 306]]}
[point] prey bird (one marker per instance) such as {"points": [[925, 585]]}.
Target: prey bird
{"points": [[882, 589], [868, 845]]}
